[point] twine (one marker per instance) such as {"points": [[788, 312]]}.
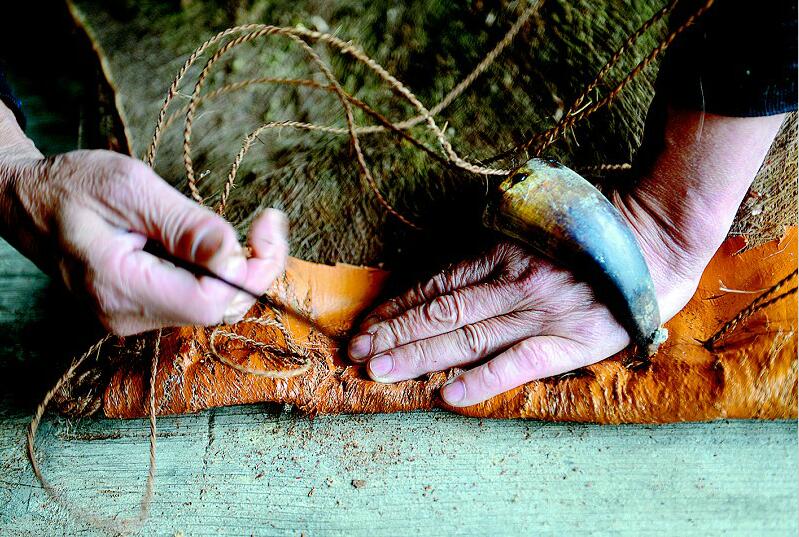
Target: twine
{"points": [[291, 348], [763, 300], [577, 111], [246, 33], [108, 525]]}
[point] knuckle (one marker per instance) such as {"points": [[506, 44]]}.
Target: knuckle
{"points": [[444, 309], [529, 283], [418, 292], [122, 168], [474, 340], [422, 359], [532, 359], [444, 280], [389, 308], [391, 333], [118, 180], [119, 176], [545, 287], [490, 377]]}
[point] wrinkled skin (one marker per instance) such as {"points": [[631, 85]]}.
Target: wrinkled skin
{"points": [[84, 217], [531, 319]]}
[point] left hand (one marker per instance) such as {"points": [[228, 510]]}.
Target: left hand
{"points": [[533, 317]]}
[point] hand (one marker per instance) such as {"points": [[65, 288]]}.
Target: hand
{"points": [[85, 217], [532, 319]]}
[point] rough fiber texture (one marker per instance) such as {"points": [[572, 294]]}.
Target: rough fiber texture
{"points": [[751, 372], [771, 205], [251, 469], [428, 45], [348, 226], [257, 469]]}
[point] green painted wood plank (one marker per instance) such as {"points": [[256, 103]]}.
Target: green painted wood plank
{"points": [[264, 470]]}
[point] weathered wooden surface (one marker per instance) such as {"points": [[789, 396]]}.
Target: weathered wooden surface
{"points": [[251, 470], [267, 471]]}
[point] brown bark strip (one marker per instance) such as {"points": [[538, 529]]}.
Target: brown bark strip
{"points": [[752, 375]]}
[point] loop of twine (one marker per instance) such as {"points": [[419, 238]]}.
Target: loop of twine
{"points": [[291, 348], [448, 155], [577, 112]]}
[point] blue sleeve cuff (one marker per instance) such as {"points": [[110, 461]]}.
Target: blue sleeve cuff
{"points": [[8, 98]]}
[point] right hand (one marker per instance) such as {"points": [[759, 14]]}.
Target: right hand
{"points": [[85, 217]]}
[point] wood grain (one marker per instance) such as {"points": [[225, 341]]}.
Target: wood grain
{"points": [[250, 470]]}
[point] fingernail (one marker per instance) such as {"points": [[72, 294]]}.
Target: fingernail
{"points": [[360, 347], [370, 320], [237, 308], [235, 267], [453, 392], [381, 365], [208, 244], [278, 220]]}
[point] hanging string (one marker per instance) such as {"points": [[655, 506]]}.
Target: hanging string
{"points": [[577, 111], [92, 519], [575, 114]]}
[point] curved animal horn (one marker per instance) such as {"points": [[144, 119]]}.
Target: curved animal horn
{"points": [[565, 218]]}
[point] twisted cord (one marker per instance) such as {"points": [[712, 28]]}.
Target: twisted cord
{"points": [[298, 35], [541, 141], [616, 57], [107, 524], [291, 349], [570, 119], [606, 168], [763, 300]]}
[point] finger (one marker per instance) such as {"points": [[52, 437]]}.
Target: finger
{"points": [[463, 274], [443, 313], [148, 205], [457, 348], [128, 325], [269, 245], [134, 290], [171, 295], [532, 359], [268, 232]]}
